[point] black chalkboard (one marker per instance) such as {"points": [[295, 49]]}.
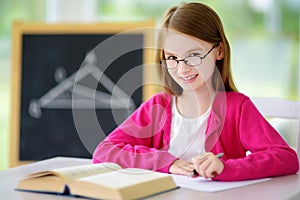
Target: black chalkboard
{"points": [[52, 66]]}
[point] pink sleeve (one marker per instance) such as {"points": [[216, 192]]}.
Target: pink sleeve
{"points": [[271, 155], [141, 141]]}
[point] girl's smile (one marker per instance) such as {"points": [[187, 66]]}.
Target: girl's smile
{"points": [[189, 79]]}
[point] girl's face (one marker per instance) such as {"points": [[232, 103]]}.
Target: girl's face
{"points": [[179, 46]]}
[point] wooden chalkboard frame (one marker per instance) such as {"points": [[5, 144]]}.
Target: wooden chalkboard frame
{"points": [[20, 28]]}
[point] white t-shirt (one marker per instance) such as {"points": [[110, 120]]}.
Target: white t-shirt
{"points": [[187, 135]]}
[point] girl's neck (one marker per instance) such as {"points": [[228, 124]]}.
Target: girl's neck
{"points": [[193, 104]]}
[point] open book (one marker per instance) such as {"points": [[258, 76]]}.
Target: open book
{"points": [[99, 181]]}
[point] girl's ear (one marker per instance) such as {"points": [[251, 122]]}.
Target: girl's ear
{"points": [[220, 49]]}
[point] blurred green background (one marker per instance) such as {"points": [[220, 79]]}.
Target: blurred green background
{"points": [[264, 37]]}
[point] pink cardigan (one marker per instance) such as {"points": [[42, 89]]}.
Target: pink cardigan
{"points": [[235, 126]]}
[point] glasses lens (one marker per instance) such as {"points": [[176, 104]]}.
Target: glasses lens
{"points": [[171, 63], [192, 61]]}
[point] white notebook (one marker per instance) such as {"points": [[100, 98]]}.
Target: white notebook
{"points": [[207, 185]]}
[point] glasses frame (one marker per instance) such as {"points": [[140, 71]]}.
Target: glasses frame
{"points": [[164, 64]]}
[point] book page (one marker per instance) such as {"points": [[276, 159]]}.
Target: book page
{"points": [[125, 177], [73, 173], [130, 183], [208, 185]]}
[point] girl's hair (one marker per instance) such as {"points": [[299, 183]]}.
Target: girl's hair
{"points": [[202, 22]]}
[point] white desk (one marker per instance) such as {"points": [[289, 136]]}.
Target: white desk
{"points": [[285, 187]]}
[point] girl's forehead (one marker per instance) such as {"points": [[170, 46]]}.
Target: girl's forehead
{"points": [[180, 44]]}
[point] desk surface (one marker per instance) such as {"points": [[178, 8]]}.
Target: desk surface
{"points": [[284, 187]]}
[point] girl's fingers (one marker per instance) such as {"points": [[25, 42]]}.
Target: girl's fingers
{"points": [[208, 165], [204, 166], [181, 167], [212, 171]]}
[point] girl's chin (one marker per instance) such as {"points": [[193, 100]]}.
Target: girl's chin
{"points": [[193, 87]]}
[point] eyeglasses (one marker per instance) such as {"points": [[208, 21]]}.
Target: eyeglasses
{"points": [[192, 61]]}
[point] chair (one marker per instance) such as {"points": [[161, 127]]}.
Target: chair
{"points": [[282, 109]]}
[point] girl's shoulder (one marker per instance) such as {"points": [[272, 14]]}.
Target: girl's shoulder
{"points": [[236, 97], [230, 101], [238, 100]]}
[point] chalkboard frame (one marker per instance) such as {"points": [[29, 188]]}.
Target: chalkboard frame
{"points": [[20, 28]]}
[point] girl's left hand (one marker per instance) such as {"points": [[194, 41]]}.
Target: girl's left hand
{"points": [[181, 167], [208, 165]]}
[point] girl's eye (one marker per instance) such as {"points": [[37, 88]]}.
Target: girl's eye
{"points": [[171, 58], [194, 54]]}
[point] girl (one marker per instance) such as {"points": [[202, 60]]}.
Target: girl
{"points": [[201, 113]]}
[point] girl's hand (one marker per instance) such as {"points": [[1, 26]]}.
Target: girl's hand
{"points": [[208, 165], [181, 167]]}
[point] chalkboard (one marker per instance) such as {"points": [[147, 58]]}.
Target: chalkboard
{"points": [[64, 75]]}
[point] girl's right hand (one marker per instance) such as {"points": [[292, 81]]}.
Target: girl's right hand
{"points": [[181, 167], [208, 165]]}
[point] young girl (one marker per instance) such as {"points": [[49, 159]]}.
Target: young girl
{"points": [[201, 114]]}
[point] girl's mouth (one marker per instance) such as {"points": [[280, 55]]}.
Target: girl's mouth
{"points": [[188, 78]]}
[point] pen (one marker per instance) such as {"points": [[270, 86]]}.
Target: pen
{"points": [[195, 173], [220, 155]]}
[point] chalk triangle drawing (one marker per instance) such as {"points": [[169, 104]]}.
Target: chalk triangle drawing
{"points": [[60, 97]]}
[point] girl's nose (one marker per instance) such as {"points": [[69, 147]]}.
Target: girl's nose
{"points": [[182, 67]]}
